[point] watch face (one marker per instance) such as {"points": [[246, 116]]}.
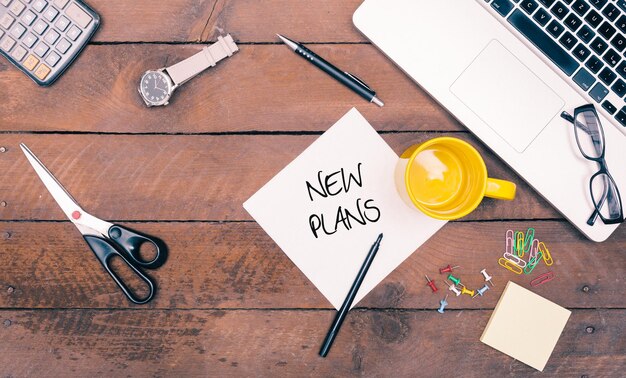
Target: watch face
{"points": [[155, 88]]}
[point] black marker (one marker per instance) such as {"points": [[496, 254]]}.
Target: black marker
{"points": [[343, 311], [344, 78]]}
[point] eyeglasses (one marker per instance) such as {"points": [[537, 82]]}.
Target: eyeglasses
{"points": [[590, 139]]}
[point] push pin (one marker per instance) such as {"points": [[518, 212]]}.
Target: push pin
{"points": [[443, 304], [468, 292], [487, 277], [457, 281], [447, 269], [481, 291], [453, 288], [431, 284]]}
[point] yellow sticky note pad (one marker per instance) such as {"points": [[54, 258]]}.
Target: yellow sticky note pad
{"points": [[525, 326]]}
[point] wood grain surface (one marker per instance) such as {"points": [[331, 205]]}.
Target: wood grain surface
{"points": [[229, 302]]}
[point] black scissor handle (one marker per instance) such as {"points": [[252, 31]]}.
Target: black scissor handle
{"points": [[131, 241], [104, 251]]}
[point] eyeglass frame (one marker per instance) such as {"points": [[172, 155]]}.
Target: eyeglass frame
{"points": [[604, 169]]}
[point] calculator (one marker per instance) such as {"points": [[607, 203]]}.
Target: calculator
{"points": [[43, 37]]}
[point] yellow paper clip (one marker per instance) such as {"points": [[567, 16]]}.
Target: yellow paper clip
{"points": [[509, 242], [532, 263], [515, 260], [510, 265], [519, 243], [543, 278], [547, 258], [528, 242], [533, 249]]}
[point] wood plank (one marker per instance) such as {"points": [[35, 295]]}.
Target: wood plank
{"points": [[185, 177], [262, 343], [248, 20], [261, 88], [236, 265]]}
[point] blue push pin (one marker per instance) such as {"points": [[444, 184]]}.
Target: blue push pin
{"points": [[481, 291], [443, 304]]}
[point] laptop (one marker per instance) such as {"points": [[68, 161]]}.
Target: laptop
{"points": [[506, 69]]}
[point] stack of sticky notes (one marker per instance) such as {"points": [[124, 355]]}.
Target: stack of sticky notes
{"points": [[525, 326]]}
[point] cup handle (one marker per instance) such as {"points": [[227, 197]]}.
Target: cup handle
{"points": [[500, 189]]}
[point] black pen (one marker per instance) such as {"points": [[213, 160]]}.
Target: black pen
{"points": [[345, 307], [345, 78]]}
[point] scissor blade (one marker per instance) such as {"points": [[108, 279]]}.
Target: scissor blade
{"points": [[63, 198]]}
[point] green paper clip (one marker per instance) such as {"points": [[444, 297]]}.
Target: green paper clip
{"points": [[519, 243], [530, 236], [532, 263]]}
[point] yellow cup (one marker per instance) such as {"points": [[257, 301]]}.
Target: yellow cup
{"points": [[446, 178]]}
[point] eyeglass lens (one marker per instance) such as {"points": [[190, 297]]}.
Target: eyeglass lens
{"points": [[589, 136]]}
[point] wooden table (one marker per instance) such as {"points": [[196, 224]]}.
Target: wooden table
{"points": [[230, 303]]}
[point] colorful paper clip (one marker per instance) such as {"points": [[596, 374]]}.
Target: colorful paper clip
{"points": [[533, 249], [532, 263], [510, 265], [541, 279], [453, 288], [510, 241], [515, 260], [528, 242], [547, 258], [519, 243]]}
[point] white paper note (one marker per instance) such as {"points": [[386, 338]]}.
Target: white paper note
{"points": [[326, 208]]}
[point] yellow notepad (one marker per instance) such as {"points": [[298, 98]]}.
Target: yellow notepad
{"points": [[525, 326]]}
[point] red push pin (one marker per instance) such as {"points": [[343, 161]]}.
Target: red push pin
{"points": [[431, 284], [448, 269]]}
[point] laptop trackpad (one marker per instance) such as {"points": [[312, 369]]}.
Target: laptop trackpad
{"points": [[507, 96]]}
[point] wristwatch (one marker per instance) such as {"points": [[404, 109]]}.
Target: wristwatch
{"points": [[156, 86]]}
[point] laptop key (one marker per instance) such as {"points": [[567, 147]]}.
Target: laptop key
{"points": [[503, 7], [529, 6], [598, 3], [593, 18], [598, 45], [619, 42], [559, 10], [542, 17], [622, 4], [586, 34], [621, 23], [548, 3], [599, 92], [612, 57], [584, 79], [555, 29], [581, 7], [543, 42], [594, 64], [611, 12], [619, 88], [621, 69], [621, 116], [607, 76], [609, 107], [568, 40], [572, 22], [606, 30], [581, 52]]}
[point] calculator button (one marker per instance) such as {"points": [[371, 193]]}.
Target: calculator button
{"points": [[6, 21], [62, 23], [31, 62], [17, 8], [40, 26], [50, 14], [7, 43], [53, 58], [19, 53], [61, 3], [51, 37], [41, 49], [18, 30], [39, 5], [74, 32], [29, 40], [63, 45], [78, 15], [29, 17], [42, 72]]}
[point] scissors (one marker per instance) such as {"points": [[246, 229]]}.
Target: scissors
{"points": [[106, 240]]}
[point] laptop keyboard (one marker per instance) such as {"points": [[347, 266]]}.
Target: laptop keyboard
{"points": [[584, 38]]}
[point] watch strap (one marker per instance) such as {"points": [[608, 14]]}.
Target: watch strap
{"points": [[208, 57]]}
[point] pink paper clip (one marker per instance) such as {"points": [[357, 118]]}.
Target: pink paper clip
{"points": [[543, 278], [533, 249], [515, 260]]}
